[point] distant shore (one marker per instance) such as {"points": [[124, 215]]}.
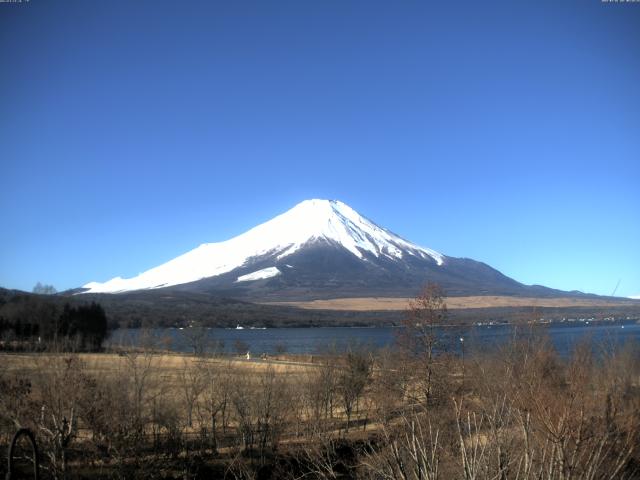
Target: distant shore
{"points": [[362, 304]]}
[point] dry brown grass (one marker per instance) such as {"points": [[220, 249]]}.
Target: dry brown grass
{"points": [[516, 413], [164, 363], [395, 304]]}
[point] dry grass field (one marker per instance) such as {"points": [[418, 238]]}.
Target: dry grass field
{"points": [[166, 367], [516, 413], [395, 304]]}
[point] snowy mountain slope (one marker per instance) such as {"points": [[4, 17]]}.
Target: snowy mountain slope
{"points": [[259, 275], [320, 249], [312, 222]]}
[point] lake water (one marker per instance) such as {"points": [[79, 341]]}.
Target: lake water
{"points": [[564, 337]]}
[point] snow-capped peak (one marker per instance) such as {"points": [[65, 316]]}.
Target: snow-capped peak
{"points": [[309, 221], [335, 221]]}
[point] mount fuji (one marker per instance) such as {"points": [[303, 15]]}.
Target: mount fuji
{"points": [[318, 249]]}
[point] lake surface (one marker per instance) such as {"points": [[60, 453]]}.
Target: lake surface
{"points": [[564, 336]]}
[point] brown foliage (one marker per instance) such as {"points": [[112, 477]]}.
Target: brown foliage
{"points": [[522, 413]]}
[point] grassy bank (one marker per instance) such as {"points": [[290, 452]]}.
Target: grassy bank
{"points": [[519, 412]]}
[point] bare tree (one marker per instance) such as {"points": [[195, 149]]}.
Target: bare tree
{"points": [[59, 383], [320, 387], [352, 380], [418, 337], [410, 451], [192, 382], [44, 289], [198, 339], [272, 409], [216, 395], [261, 409], [389, 384]]}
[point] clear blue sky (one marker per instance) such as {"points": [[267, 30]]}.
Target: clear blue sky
{"points": [[504, 131]]}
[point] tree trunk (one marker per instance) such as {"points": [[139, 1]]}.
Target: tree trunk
{"points": [[214, 438]]}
